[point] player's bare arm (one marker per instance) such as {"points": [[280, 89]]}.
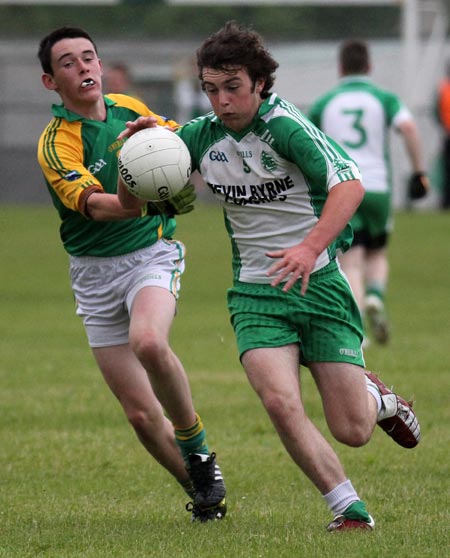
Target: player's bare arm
{"points": [[413, 145], [298, 261], [107, 207], [126, 199]]}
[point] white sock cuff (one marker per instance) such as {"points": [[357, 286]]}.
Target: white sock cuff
{"points": [[375, 393], [341, 497]]}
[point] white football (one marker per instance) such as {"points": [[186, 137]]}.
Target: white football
{"points": [[154, 164]]}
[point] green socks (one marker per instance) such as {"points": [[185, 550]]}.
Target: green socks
{"points": [[192, 439]]}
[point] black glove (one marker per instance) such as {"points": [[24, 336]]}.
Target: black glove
{"points": [[179, 204], [418, 186]]}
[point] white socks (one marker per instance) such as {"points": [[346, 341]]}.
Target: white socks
{"points": [[341, 497], [386, 404], [375, 392]]}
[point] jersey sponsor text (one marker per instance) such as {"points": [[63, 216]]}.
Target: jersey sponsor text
{"points": [[244, 194]]}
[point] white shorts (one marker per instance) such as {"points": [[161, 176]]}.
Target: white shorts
{"points": [[105, 288]]}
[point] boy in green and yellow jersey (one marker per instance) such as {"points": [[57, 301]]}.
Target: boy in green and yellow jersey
{"points": [[125, 267]]}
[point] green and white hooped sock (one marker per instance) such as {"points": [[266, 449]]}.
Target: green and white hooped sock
{"points": [[377, 290]]}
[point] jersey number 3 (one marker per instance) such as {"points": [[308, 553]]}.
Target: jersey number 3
{"points": [[356, 115]]}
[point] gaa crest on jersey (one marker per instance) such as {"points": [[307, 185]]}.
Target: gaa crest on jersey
{"points": [[268, 162], [218, 156]]}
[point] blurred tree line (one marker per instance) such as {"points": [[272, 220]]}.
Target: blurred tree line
{"points": [[153, 19]]}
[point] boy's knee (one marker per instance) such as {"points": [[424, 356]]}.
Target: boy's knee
{"points": [[353, 434]]}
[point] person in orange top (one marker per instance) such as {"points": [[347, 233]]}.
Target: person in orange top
{"points": [[443, 113]]}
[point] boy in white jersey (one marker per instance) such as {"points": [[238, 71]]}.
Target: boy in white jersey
{"points": [[358, 114], [287, 193]]}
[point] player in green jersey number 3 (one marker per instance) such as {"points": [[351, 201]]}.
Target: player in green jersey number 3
{"points": [[359, 114]]}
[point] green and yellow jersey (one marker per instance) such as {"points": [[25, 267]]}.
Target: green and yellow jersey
{"points": [[78, 156]]}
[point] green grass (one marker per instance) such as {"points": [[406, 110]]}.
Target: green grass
{"points": [[76, 483]]}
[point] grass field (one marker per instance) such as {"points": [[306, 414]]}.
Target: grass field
{"points": [[76, 483]]}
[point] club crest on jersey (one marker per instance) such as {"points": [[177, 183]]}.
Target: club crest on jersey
{"points": [[268, 162], [340, 165]]}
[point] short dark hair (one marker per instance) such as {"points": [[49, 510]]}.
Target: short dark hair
{"points": [[46, 44], [235, 46], [354, 57]]}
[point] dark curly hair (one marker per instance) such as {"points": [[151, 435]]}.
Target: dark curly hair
{"points": [[235, 47]]}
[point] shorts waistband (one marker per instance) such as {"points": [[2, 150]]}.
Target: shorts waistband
{"points": [[108, 259], [326, 270]]}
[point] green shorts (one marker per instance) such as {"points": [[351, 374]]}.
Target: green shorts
{"points": [[373, 216], [325, 323]]}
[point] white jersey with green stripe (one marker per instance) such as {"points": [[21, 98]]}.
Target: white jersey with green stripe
{"points": [[272, 180], [358, 114]]}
